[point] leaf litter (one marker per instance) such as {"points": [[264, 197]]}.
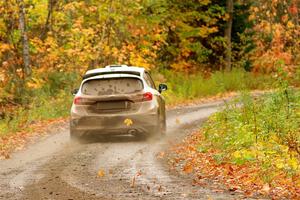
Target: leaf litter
{"points": [[186, 158]]}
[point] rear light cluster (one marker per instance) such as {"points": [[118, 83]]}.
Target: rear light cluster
{"points": [[83, 101], [148, 96]]}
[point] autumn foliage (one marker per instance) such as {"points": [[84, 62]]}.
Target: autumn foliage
{"points": [[275, 35], [73, 36], [251, 147], [45, 45]]}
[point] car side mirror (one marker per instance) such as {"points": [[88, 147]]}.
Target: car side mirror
{"points": [[75, 91], [162, 87]]}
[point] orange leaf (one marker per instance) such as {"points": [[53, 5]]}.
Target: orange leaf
{"points": [[188, 168], [101, 173]]}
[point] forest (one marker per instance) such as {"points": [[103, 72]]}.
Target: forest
{"points": [[48, 43], [200, 48]]}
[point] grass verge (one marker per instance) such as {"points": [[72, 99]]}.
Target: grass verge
{"points": [[183, 87], [253, 145]]}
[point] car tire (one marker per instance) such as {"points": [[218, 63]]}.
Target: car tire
{"points": [[141, 136], [75, 135]]}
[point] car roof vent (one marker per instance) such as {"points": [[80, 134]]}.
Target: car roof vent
{"points": [[112, 66]]}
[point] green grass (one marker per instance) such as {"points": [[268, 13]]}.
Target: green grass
{"points": [[264, 131], [46, 109], [188, 87], [51, 101]]}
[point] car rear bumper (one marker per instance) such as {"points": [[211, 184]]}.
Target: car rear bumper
{"points": [[106, 124]]}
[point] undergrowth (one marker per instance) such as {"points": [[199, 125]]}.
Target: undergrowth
{"points": [[261, 131], [184, 87], [46, 100]]}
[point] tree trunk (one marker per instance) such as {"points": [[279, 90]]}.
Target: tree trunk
{"points": [[48, 24], [228, 31], [22, 28]]}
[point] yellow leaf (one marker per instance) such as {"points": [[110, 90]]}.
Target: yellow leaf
{"points": [[293, 162], [209, 198], [237, 154], [34, 83], [279, 164], [252, 17], [290, 25], [128, 122]]}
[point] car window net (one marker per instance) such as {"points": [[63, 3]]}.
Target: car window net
{"points": [[112, 86]]}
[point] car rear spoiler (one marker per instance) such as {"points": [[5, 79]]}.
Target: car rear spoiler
{"points": [[86, 76]]}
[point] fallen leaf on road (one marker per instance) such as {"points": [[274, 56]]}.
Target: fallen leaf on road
{"points": [[101, 173], [188, 168], [160, 155], [160, 188], [139, 173], [6, 156], [132, 182]]}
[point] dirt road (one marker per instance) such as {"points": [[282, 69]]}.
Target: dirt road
{"points": [[56, 168]]}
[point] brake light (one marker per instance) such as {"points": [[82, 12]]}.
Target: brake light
{"points": [[77, 100], [148, 96], [82, 101]]}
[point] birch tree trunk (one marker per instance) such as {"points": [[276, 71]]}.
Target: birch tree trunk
{"points": [[25, 42]]}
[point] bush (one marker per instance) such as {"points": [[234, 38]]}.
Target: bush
{"points": [[49, 97]]}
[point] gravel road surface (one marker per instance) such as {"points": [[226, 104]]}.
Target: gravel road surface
{"points": [[105, 168]]}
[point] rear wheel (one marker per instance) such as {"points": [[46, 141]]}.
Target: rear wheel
{"points": [[76, 135], [141, 136]]}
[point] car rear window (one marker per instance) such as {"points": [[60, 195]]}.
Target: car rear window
{"points": [[112, 86]]}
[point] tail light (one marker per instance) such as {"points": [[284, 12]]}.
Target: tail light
{"points": [[148, 96], [82, 101]]}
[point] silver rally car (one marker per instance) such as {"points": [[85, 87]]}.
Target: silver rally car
{"points": [[118, 100]]}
